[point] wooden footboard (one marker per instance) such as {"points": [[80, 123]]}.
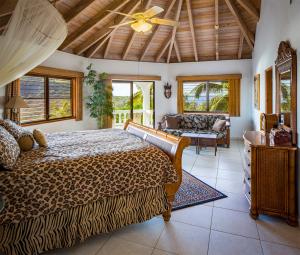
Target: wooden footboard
{"points": [[173, 146]]}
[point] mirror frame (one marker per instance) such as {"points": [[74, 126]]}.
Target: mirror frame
{"points": [[287, 60]]}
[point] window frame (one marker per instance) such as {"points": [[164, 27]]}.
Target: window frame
{"points": [[14, 89], [131, 82], [47, 100], [207, 97]]}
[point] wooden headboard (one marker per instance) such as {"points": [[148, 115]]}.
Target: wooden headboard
{"points": [[173, 146]]}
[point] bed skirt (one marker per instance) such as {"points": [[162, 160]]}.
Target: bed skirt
{"points": [[64, 229]]}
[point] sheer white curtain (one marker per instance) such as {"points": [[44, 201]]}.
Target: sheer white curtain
{"points": [[35, 30]]}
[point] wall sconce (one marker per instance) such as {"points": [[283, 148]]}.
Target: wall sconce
{"points": [[168, 91]]}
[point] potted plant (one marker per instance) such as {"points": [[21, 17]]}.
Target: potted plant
{"points": [[100, 99]]}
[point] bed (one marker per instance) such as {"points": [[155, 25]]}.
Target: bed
{"points": [[86, 183]]}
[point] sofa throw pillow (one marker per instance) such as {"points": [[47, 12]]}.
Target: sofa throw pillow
{"points": [[23, 136], [171, 122], [40, 138], [219, 125], [9, 149]]}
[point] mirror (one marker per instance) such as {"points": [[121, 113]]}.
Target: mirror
{"points": [[285, 92], [286, 87]]}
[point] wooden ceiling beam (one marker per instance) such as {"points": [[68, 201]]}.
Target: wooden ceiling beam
{"points": [[95, 38], [174, 30], [249, 37], [108, 46], [133, 36], [177, 51], [103, 14], [163, 50], [217, 28], [191, 23], [95, 48], [241, 45], [250, 8], [80, 7], [155, 31]]}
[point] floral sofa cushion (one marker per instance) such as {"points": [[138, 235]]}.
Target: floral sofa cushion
{"points": [[196, 122]]}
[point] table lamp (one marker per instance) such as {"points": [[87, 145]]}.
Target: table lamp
{"points": [[16, 103]]}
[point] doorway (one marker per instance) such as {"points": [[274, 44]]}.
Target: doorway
{"points": [[133, 100], [269, 90]]}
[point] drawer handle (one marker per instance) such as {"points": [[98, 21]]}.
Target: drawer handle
{"points": [[249, 164], [248, 178], [249, 151]]}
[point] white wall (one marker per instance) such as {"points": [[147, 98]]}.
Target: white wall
{"points": [[167, 72], [279, 21]]}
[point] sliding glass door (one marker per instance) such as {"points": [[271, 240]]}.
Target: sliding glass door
{"points": [[133, 100]]}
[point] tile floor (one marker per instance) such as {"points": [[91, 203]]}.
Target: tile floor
{"points": [[221, 227]]}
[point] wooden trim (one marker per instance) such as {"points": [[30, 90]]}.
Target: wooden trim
{"points": [[269, 90], [50, 71], [257, 80], [209, 77], [46, 121], [180, 108], [164, 140], [128, 77], [76, 93]]}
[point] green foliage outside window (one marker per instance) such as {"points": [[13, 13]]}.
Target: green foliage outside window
{"points": [[207, 97]]}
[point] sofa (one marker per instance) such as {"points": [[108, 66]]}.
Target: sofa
{"points": [[198, 123]]}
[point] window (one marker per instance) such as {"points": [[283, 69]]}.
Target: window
{"points": [[48, 98], [206, 96], [133, 100], [52, 94], [209, 93]]}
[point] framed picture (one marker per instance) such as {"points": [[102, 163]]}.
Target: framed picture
{"points": [[257, 91]]}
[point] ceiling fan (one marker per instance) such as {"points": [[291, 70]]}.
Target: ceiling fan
{"points": [[142, 21]]}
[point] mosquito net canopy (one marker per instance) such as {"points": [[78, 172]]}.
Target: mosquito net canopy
{"points": [[35, 30]]}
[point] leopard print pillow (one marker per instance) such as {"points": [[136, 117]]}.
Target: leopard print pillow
{"points": [[9, 149], [23, 136]]}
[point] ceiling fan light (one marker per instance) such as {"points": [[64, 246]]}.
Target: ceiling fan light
{"points": [[141, 26]]}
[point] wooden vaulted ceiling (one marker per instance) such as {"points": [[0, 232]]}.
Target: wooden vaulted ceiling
{"points": [[208, 30]]}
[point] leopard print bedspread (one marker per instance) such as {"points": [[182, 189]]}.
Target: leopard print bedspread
{"points": [[78, 168]]}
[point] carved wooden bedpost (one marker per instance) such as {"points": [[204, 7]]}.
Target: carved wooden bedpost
{"points": [[173, 146]]}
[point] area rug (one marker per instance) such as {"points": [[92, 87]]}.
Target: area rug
{"points": [[194, 192]]}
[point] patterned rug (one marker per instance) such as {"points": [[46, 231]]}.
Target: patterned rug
{"points": [[194, 192]]}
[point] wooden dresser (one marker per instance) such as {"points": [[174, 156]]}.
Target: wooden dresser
{"points": [[270, 177]]}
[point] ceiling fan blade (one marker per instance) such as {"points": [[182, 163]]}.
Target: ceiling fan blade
{"points": [[121, 13], [153, 11], [166, 22], [123, 24]]}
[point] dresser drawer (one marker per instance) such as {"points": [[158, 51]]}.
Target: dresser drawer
{"points": [[247, 190], [246, 164]]}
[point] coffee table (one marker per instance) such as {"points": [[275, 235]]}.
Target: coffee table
{"points": [[203, 140]]}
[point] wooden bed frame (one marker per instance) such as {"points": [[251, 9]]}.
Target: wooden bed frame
{"points": [[173, 146]]}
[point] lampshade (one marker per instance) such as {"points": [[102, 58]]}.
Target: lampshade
{"points": [[16, 102], [141, 26]]}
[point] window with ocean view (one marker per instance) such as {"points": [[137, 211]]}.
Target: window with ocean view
{"points": [[206, 96]]}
